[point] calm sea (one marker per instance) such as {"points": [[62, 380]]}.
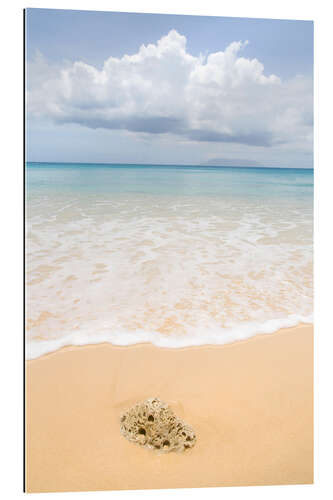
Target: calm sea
{"points": [[173, 255]]}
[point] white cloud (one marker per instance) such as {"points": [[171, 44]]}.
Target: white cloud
{"points": [[162, 89]]}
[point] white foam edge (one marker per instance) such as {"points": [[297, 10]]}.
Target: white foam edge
{"points": [[216, 336]]}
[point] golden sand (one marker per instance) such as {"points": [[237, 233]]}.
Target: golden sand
{"points": [[251, 404]]}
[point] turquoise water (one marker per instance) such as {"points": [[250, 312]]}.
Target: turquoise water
{"points": [[172, 255], [171, 179]]}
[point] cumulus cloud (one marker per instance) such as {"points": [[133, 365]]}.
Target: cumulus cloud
{"points": [[162, 89]]}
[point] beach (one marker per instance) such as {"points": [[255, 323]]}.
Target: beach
{"points": [[191, 284], [168, 251], [250, 403]]}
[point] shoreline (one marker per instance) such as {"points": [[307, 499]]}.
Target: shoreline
{"points": [[250, 402], [162, 346]]}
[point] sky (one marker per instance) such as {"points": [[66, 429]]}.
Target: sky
{"points": [[148, 88]]}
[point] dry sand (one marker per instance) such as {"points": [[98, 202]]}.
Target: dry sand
{"points": [[250, 403]]}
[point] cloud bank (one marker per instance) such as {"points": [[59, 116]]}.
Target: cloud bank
{"points": [[162, 89]]}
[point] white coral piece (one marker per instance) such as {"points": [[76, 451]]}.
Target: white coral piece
{"points": [[153, 424]]}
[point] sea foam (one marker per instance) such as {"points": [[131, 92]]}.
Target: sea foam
{"points": [[37, 348], [174, 270]]}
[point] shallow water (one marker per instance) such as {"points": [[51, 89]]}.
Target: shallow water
{"points": [[172, 255]]}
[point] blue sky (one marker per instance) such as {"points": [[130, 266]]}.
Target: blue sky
{"points": [[71, 117]]}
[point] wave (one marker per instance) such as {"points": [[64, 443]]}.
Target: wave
{"points": [[215, 336]]}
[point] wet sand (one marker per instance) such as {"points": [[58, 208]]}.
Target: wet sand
{"points": [[250, 403]]}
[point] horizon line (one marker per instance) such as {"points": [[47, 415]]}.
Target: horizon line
{"points": [[170, 165]]}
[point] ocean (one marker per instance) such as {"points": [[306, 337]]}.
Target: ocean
{"points": [[173, 255]]}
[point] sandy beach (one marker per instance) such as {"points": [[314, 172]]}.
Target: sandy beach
{"points": [[250, 403], [168, 251]]}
